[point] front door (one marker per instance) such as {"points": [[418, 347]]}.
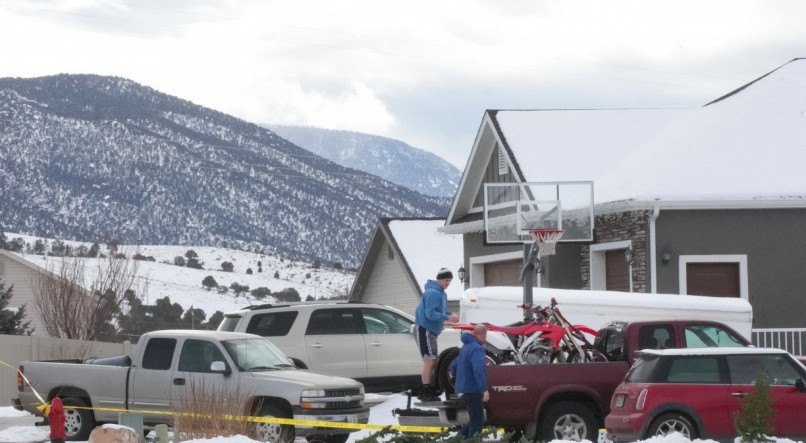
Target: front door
{"points": [[193, 383], [782, 372], [151, 380], [391, 349], [334, 342]]}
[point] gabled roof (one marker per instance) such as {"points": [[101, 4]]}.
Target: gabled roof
{"points": [[745, 149], [421, 248]]}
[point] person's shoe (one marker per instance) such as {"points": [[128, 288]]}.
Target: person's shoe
{"points": [[428, 393]]}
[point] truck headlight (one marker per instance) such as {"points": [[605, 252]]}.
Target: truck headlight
{"points": [[313, 393]]}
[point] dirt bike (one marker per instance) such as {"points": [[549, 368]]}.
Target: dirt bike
{"points": [[546, 338]]}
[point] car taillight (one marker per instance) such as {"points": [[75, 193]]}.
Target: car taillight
{"points": [[641, 400], [618, 400], [20, 381]]}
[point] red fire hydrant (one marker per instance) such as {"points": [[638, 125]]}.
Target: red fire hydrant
{"points": [[56, 420]]}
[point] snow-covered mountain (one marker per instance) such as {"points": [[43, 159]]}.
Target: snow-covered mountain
{"points": [[99, 158], [183, 285], [390, 159]]}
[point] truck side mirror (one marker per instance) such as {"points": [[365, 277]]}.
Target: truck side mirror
{"points": [[219, 367], [800, 385]]}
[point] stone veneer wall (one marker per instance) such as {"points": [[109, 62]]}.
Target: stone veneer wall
{"points": [[633, 226]]}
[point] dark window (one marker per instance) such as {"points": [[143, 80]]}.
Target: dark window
{"points": [[274, 324], [642, 369], [710, 336], [229, 323], [332, 321], [656, 337], [611, 344], [159, 353], [778, 368], [715, 279], [198, 355], [693, 369]]}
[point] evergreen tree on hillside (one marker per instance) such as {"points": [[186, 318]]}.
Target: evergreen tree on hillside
{"points": [[261, 292], [179, 260], [227, 266], [58, 248], [194, 318], [287, 294], [215, 320], [39, 247], [166, 315], [11, 322], [209, 282], [238, 288], [3, 244], [194, 263], [17, 244], [191, 254], [93, 251], [249, 271]]}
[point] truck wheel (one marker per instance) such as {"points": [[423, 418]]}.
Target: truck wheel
{"points": [[273, 432], [569, 420], [443, 368], [78, 423], [330, 438], [673, 422]]}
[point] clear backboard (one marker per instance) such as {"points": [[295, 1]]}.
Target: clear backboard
{"points": [[511, 210]]}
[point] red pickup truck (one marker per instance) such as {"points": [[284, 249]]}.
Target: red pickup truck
{"points": [[569, 401]]}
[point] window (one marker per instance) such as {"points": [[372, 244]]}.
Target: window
{"points": [[708, 336], [745, 368], [611, 344], [642, 369], [332, 321], [694, 369], [714, 275], [656, 337], [380, 321], [229, 323], [198, 355], [274, 324], [159, 353]]}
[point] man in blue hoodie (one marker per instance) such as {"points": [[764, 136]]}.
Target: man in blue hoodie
{"points": [[470, 370], [429, 319]]}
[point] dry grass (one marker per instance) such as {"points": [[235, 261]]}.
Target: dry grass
{"points": [[207, 412]]}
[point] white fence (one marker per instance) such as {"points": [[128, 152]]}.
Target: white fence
{"points": [[790, 339], [15, 349]]}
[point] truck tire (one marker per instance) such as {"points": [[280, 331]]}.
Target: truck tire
{"points": [[330, 438], [444, 366], [78, 423], [273, 432], [673, 422], [569, 420]]}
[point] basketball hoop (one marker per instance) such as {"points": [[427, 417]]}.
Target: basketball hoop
{"points": [[546, 240]]}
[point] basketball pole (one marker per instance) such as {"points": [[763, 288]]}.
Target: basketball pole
{"points": [[530, 252]]}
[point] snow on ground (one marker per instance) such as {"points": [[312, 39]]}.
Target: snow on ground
{"points": [[183, 285], [380, 413]]}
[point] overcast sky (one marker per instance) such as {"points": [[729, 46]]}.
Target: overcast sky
{"points": [[419, 71]]}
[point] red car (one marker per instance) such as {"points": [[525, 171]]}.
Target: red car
{"points": [[697, 391]]}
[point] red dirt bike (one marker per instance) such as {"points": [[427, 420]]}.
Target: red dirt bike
{"points": [[546, 338]]}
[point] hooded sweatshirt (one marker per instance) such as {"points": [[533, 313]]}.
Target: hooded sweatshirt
{"points": [[432, 311], [470, 366]]}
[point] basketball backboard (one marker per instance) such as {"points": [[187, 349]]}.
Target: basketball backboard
{"points": [[511, 210]]}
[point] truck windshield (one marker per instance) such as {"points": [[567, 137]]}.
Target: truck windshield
{"points": [[256, 354]]}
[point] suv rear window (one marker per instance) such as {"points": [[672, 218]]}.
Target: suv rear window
{"points": [[642, 369], [229, 323], [273, 324]]}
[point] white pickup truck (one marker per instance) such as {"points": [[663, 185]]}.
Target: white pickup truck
{"points": [[166, 364]]}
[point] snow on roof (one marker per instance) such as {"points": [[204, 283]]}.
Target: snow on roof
{"points": [[426, 251], [747, 146], [592, 298]]}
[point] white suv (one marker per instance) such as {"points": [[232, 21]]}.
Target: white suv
{"points": [[367, 342]]}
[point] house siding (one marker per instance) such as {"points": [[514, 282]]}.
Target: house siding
{"points": [[389, 284], [14, 273], [773, 241], [492, 175], [609, 228]]}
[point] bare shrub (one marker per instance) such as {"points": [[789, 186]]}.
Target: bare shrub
{"points": [[78, 301], [206, 411]]}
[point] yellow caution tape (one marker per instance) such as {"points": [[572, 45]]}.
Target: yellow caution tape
{"points": [[44, 409]]}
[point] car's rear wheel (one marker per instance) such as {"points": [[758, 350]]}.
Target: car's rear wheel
{"points": [[569, 420], [78, 423], [673, 422], [273, 432]]}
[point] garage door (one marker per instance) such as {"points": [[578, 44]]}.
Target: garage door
{"points": [[504, 273], [715, 279]]}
